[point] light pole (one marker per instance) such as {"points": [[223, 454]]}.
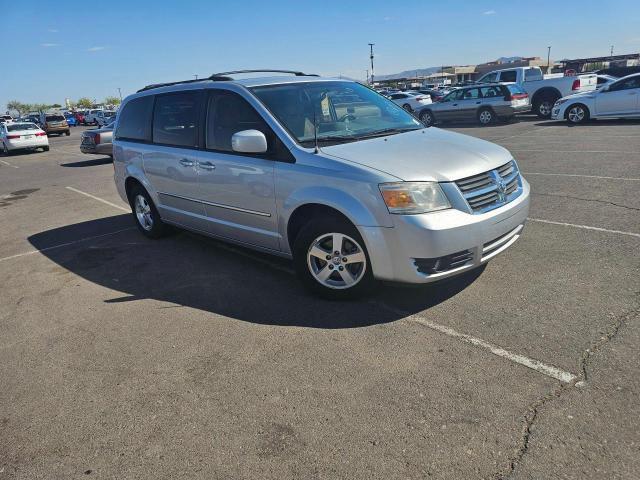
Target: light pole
{"points": [[371, 57], [612, 50], [366, 78], [196, 76], [548, 57], [120, 93]]}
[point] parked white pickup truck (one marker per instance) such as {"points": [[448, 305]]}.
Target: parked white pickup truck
{"points": [[543, 90]]}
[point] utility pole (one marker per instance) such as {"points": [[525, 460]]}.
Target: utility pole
{"points": [[612, 50], [196, 76], [371, 57], [548, 58], [120, 93], [367, 76]]}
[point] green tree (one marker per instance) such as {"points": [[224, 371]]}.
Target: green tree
{"points": [[112, 101], [56, 105], [19, 107], [84, 102]]}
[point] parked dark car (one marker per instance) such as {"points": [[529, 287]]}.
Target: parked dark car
{"points": [[482, 103]]}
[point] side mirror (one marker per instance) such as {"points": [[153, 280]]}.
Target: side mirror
{"points": [[249, 141]]}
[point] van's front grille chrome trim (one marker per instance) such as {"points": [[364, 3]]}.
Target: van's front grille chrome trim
{"points": [[489, 190], [219, 205]]}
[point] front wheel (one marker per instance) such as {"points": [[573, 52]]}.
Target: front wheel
{"points": [[427, 118], [407, 107], [331, 260], [544, 106], [577, 114], [5, 150]]}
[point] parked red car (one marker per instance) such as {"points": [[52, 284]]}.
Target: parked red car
{"points": [[79, 118]]}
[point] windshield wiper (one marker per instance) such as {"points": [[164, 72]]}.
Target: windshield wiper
{"points": [[387, 131]]}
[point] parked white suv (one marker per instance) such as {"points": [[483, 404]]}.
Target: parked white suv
{"points": [[324, 171]]}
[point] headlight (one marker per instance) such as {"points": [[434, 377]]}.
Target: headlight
{"points": [[561, 101], [413, 197]]}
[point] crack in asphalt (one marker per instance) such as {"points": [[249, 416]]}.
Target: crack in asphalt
{"points": [[588, 200], [531, 415]]}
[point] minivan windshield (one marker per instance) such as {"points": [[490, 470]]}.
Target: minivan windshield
{"points": [[341, 111]]}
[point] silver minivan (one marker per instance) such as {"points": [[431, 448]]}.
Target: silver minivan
{"points": [[326, 172]]}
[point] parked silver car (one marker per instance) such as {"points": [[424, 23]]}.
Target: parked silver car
{"points": [[323, 171], [482, 103], [98, 140]]}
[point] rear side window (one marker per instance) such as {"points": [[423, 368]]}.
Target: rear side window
{"points": [[471, 94], [175, 119], [492, 91], [135, 120], [16, 127], [54, 118], [508, 76]]}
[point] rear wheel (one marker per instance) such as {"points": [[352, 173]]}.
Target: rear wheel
{"points": [[67, 133], [145, 214], [543, 106], [45, 149], [485, 117], [427, 118], [331, 260], [577, 114]]}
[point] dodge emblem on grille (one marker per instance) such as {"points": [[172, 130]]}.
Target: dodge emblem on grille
{"points": [[501, 189]]}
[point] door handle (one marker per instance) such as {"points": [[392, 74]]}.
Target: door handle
{"points": [[478, 103], [455, 105], [185, 162], [207, 165]]}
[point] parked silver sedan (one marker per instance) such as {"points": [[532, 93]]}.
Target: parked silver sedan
{"points": [[98, 141], [481, 103]]}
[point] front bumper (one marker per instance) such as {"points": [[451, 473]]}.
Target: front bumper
{"points": [[404, 252]]}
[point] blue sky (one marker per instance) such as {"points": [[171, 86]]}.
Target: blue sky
{"points": [[53, 50]]}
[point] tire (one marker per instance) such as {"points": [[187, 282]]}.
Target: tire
{"points": [[323, 268], [427, 118], [486, 117], [67, 133], [5, 150], [577, 114], [543, 106], [145, 214], [407, 107], [45, 149]]}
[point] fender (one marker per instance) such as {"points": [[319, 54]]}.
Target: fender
{"points": [[351, 207]]}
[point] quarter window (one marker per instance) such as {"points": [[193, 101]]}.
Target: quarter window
{"points": [[175, 119], [491, 92], [135, 120], [628, 84]]}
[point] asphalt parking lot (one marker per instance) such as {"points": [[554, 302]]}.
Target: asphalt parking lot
{"points": [[122, 357]]}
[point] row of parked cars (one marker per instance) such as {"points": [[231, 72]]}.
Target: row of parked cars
{"points": [[502, 94]]}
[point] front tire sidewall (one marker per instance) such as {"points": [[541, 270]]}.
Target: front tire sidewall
{"points": [[577, 121], [429, 115], [308, 234]]}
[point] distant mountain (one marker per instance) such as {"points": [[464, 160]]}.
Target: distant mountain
{"points": [[421, 72]]}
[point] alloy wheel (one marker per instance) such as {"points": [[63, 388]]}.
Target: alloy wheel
{"points": [[576, 114], [485, 117], [545, 108], [143, 212], [336, 261]]}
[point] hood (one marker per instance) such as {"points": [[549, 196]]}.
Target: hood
{"points": [[428, 154], [588, 94]]}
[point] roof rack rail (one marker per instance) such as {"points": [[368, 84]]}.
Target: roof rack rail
{"points": [[224, 76], [168, 84]]}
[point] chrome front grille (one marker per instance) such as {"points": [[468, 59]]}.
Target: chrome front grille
{"points": [[491, 189]]}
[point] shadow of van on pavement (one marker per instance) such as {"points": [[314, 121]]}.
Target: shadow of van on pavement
{"points": [[198, 272]]}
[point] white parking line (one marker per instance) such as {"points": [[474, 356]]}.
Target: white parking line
{"points": [[548, 370], [556, 151], [581, 176], [31, 252], [8, 164], [529, 131], [119, 207], [585, 227]]}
